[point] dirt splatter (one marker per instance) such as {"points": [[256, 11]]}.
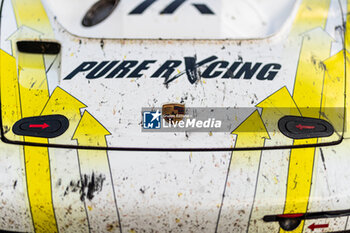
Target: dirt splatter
{"points": [[59, 182], [112, 226], [91, 185], [102, 44], [6, 129], [88, 186]]}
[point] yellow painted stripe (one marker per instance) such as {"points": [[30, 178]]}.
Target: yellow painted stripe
{"points": [[33, 84], [302, 160], [316, 46], [309, 78], [92, 133], [333, 98], [32, 14], [311, 14], [33, 96], [39, 186], [347, 28], [11, 108], [93, 163], [276, 106], [63, 103], [308, 96], [347, 95], [252, 132], [299, 179], [347, 47]]}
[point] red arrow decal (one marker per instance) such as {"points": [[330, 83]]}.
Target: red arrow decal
{"points": [[301, 127], [314, 226], [43, 126]]}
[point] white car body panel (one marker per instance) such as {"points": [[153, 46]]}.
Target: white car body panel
{"points": [[138, 191]]}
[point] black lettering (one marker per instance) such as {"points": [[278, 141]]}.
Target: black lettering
{"points": [[166, 69], [141, 67], [191, 69], [123, 69], [96, 73], [203, 9], [230, 72], [269, 71], [210, 71], [85, 66], [172, 7], [247, 70], [142, 7]]}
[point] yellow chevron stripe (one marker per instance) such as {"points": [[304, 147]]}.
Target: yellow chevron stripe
{"points": [[347, 96], [333, 92], [11, 107], [251, 132], [311, 14], [347, 47], [32, 14], [33, 96], [347, 28], [92, 133], [299, 179], [276, 106], [33, 84], [316, 45], [309, 78], [63, 103], [302, 160], [39, 186]]}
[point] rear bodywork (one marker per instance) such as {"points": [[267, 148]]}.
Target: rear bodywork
{"points": [[105, 172]]}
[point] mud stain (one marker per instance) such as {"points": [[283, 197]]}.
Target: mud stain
{"points": [[88, 186]]}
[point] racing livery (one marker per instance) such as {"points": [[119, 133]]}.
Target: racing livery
{"points": [[174, 116]]}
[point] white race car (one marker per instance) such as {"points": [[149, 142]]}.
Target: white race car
{"points": [[175, 116]]}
